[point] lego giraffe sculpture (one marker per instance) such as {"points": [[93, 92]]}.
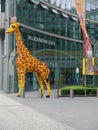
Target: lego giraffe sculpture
{"points": [[25, 62]]}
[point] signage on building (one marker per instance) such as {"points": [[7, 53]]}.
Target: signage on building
{"points": [[41, 40]]}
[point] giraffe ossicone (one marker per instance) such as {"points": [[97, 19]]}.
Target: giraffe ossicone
{"points": [[13, 19], [25, 62]]}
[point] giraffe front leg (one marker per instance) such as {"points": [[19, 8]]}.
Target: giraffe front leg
{"points": [[21, 81], [19, 92], [21, 88]]}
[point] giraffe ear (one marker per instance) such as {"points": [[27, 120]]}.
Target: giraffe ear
{"points": [[13, 19]]}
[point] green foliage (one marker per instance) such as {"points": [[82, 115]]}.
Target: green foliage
{"points": [[78, 90]]}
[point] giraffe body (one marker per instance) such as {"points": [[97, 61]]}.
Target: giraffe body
{"points": [[25, 62]]}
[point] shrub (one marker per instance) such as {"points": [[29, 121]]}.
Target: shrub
{"points": [[78, 90]]}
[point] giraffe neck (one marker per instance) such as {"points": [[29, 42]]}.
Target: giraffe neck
{"points": [[21, 48], [19, 39]]}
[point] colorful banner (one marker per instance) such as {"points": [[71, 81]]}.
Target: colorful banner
{"points": [[94, 63], [96, 66], [80, 8], [84, 66]]}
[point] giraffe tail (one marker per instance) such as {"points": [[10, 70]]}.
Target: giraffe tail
{"points": [[48, 71]]}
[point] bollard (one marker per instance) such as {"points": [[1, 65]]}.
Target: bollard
{"points": [[56, 93], [96, 92], [39, 93], [71, 93], [23, 93]]}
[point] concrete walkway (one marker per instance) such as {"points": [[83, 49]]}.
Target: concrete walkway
{"points": [[19, 116], [33, 113]]}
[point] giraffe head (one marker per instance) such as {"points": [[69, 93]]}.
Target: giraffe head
{"points": [[14, 25]]}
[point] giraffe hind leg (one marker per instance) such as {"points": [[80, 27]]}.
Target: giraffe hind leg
{"points": [[41, 84], [47, 83]]}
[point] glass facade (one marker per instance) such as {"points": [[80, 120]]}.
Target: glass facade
{"points": [[2, 6], [92, 9], [51, 31], [57, 45]]}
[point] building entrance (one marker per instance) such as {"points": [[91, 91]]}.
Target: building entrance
{"points": [[69, 77], [29, 81], [59, 77]]}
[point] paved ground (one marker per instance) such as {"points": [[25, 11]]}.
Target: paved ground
{"points": [[65, 113], [19, 116]]}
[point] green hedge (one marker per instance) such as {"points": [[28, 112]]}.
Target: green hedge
{"points": [[78, 90]]}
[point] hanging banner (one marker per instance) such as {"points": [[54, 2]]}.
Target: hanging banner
{"points": [[84, 66], [80, 8]]}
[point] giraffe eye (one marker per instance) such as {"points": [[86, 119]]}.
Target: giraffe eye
{"points": [[13, 26]]}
